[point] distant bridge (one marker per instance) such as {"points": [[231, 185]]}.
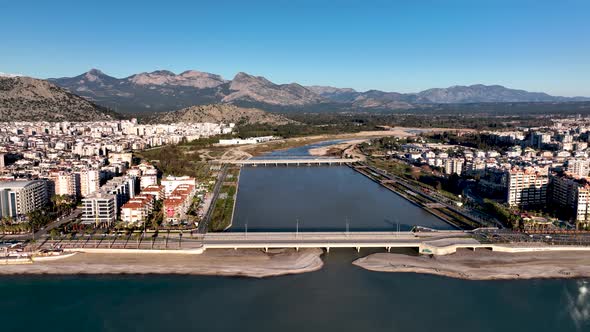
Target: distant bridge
{"points": [[297, 162]]}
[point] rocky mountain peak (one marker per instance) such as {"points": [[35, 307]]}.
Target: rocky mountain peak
{"points": [[94, 75]]}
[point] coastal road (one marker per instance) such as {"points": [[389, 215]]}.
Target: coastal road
{"points": [[44, 230]]}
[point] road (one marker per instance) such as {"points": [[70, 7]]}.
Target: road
{"points": [[204, 224], [44, 230]]}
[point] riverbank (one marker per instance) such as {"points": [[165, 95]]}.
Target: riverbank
{"points": [[336, 148], [293, 142], [246, 263], [484, 264]]}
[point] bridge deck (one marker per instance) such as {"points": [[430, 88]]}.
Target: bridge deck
{"points": [[301, 161], [324, 239]]}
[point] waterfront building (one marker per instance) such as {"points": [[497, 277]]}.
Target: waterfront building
{"points": [[176, 204], [527, 187], [99, 209], [137, 209], [572, 193], [21, 197]]}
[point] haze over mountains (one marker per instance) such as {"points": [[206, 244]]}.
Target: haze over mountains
{"points": [[165, 91]]}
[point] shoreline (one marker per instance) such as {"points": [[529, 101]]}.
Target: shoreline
{"points": [[484, 264], [216, 262]]}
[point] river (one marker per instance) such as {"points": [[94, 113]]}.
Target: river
{"points": [[339, 297]]}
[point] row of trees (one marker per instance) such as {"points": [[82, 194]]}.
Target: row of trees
{"points": [[59, 205]]}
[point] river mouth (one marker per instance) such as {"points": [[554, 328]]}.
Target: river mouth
{"points": [[320, 198]]}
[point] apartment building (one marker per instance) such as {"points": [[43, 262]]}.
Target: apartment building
{"points": [[89, 182], [527, 187], [21, 197], [155, 190], [65, 183], [99, 209], [572, 192], [137, 209], [176, 204], [453, 165], [578, 167], [170, 183]]}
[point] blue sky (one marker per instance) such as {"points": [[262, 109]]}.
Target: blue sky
{"points": [[396, 45]]}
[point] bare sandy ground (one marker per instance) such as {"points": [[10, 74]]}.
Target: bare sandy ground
{"points": [[323, 150], [485, 265], [248, 263]]}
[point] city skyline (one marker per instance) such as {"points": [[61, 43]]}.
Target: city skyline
{"points": [[386, 46]]}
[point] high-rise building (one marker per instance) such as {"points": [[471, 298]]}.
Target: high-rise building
{"points": [[66, 183], [21, 197], [453, 165], [573, 193], [527, 187], [89, 182]]}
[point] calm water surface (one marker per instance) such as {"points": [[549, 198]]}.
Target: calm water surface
{"points": [[340, 297]]}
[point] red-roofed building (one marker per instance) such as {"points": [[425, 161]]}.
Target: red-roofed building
{"points": [[177, 203], [137, 209]]}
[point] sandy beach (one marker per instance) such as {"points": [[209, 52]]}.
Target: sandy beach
{"points": [[247, 263], [485, 265]]}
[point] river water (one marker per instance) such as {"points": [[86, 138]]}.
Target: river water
{"points": [[340, 297]]}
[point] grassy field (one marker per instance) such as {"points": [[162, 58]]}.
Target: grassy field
{"points": [[224, 206]]}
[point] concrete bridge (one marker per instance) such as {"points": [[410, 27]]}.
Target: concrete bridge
{"points": [[296, 162], [439, 242]]}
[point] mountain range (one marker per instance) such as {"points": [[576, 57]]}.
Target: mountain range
{"points": [[165, 91]]}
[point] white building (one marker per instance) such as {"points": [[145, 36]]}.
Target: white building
{"points": [[171, 182], [579, 167], [572, 193], [453, 165], [21, 197], [527, 187], [89, 182], [99, 209]]}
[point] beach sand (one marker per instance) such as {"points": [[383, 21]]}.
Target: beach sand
{"points": [[484, 264], [248, 263]]}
